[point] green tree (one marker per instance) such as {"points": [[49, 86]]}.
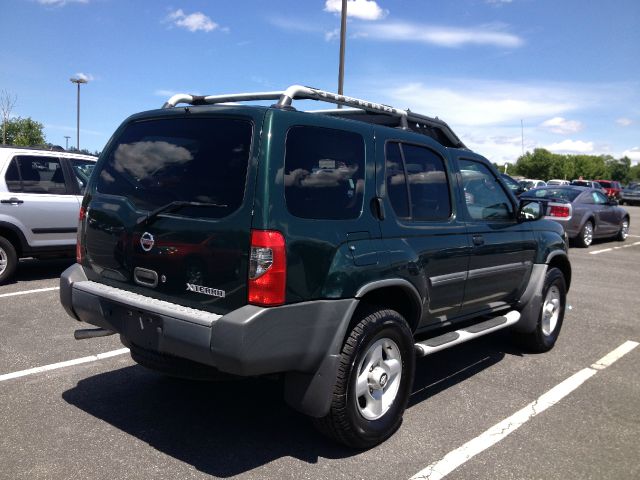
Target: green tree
{"points": [[619, 169], [24, 132], [590, 166], [536, 165]]}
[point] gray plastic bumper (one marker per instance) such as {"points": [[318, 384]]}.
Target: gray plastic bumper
{"points": [[248, 341]]}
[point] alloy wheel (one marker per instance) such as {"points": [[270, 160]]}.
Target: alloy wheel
{"points": [[378, 380]]}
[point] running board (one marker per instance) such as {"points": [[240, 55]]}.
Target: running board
{"points": [[441, 342]]}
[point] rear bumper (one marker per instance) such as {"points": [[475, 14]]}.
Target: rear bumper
{"points": [[248, 341]]}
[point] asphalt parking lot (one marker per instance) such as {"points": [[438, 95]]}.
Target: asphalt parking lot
{"points": [[571, 413]]}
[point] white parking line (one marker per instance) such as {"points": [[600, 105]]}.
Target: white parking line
{"points": [[68, 363], [595, 252], [493, 435], [26, 292]]}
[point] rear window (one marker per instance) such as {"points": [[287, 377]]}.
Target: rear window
{"points": [[568, 194], [201, 160], [606, 184], [324, 173], [35, 174]]}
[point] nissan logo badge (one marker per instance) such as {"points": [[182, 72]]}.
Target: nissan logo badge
{"points": [[147, 241]]}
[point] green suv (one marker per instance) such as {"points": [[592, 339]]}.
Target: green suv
{"points": [[331, 248]]}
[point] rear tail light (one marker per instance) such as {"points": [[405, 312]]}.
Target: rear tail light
{"points": [[267, 268], [79, 245], [559, 211]]}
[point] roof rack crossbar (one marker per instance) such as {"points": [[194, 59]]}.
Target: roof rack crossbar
{"points": [[298, 92]]}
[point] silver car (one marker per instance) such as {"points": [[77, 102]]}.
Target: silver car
{"points": [[585, 213], [630, 195], [40, 195]]}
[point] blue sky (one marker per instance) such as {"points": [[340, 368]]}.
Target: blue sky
{"points": [[568, 69]]}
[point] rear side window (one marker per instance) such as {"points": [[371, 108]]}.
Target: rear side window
{"points": [[417, 182], [324, 173], [35, 174], [198, 160]]}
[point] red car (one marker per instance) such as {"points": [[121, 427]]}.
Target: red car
{"points": [[611, 188]]}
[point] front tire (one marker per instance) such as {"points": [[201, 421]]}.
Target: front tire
{"points": [[8, 260], [547, 329], [624, 230], [585, 237], [374, 382]]}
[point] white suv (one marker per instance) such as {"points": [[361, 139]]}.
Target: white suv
{"points": [[40, 194]]}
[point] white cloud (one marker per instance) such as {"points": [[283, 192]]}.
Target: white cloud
{"points": [[87, 77], [571, 146], [164, 93], [498, 148], [475, 103], [332, 35], [498, 2], [633, 154], [561, 125], [362, 9], [192, 22], [443, 36], [624, 122], [60, 3]]}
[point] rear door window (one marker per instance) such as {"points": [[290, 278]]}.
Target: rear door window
{"points": [[324, 173], [202, 161], [36, 174], [417, 182]]}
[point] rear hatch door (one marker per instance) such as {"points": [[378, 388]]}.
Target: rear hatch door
{"points": [[170, 208]]}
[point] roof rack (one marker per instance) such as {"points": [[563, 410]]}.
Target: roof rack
{"points": [[362, 110]]}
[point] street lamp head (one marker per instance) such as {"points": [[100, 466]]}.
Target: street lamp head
{"points": [[78, 80]]}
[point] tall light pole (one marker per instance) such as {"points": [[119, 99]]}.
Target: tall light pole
{"points": [[343, 34], [78, 80]]}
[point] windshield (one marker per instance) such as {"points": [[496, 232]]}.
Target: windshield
{"points": [[202, 160], [605, 184], [568, 194]]}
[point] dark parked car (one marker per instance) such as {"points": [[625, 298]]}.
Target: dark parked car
{"points": [[584, 213], [612, 189], [630, 195], [329, 249]]}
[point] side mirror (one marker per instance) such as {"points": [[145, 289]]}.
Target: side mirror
{"points": [[529, 210], [612, 201]]}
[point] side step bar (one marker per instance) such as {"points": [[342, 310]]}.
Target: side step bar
{"points": [[441, 342]]}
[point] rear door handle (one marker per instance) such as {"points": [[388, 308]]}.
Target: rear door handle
{"points": [[12, 201], [478, 240]]}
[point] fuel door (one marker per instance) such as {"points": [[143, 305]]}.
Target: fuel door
{"points": [[362, 248]]}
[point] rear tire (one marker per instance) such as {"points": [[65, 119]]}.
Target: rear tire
{"points": [[545, 334], [8, 260], [375, 378], [585, 237]]}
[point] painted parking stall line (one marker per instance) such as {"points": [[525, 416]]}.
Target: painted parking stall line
{"points": [[595, 252], [68, 363], [27, 292], [493, 435]]}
